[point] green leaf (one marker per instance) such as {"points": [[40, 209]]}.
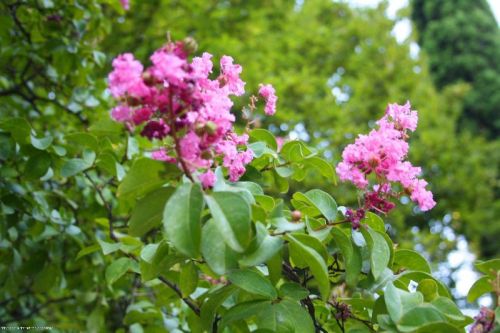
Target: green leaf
{"points": [[117, 269], [411, 260], [316, 263], [148, 212], [212, 303], [448, 308], [393, 302], [274, 266], [88, 250], [375, 222], [429, 289], [82, 139], [7, 147], [42, 143], [263, 135], [399, 302], [325, 168], [160, 263], [106, 128], [343, 243], [38, 164], [294, 316], [188, 279], [182, 219], [260, 149], [419, 316], [265, 201], [418, 276], [267, 319], [108, 248], [267, 248], [439, 328], [219, 257], [245, 189], [278, 219], [253, 282], [242, 311], [318, 228], [321, 201], [479, 288], [99, 58], [46, 279], [293, 290], [142, 177], [281, 183], [379, 251], [488, 267], [311, 242], [148, 252], [295, 151], [231, 214], [74, 166], [19, 128], [353, 267]]}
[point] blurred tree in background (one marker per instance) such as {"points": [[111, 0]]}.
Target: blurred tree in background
{"points": [[462, 40]]}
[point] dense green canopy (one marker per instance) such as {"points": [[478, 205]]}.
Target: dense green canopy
{"points": [[462, 40]]}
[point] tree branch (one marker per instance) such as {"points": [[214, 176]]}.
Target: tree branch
{"points": [[189, 302], [306, 302]]}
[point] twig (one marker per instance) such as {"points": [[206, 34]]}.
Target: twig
{"points": [[177, 146], [329, 224], [107, 206], [292, 275], [270, 167], [189, 302]]}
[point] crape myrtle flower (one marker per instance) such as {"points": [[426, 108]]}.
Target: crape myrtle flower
{"points": [[382, 153], [179, 105]]}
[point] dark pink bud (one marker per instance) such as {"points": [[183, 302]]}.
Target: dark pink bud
{"points": [[155, 130]]}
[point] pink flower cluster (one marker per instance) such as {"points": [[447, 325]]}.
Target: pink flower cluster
{"points": [[382, 153], [125, 4], [268, 93], [177, 102]]}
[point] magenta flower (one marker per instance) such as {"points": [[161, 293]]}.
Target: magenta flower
{"points": [[125, 4], [268, 93], [382, 153], [176, 98], [126, 77], [121, 113], [230, 75], [207, 179]]}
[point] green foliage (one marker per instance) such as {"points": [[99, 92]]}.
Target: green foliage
{"points": [[489, 283], [182, 219], [95, 236], [462, 40]]}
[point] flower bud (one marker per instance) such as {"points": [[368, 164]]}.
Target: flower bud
{"points": [[296, 215], [190, 45], [206, 155], [199, 128], [211, 127], [148, 78]]}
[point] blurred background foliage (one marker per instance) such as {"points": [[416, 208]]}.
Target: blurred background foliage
{"points": [[335, 68]]}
